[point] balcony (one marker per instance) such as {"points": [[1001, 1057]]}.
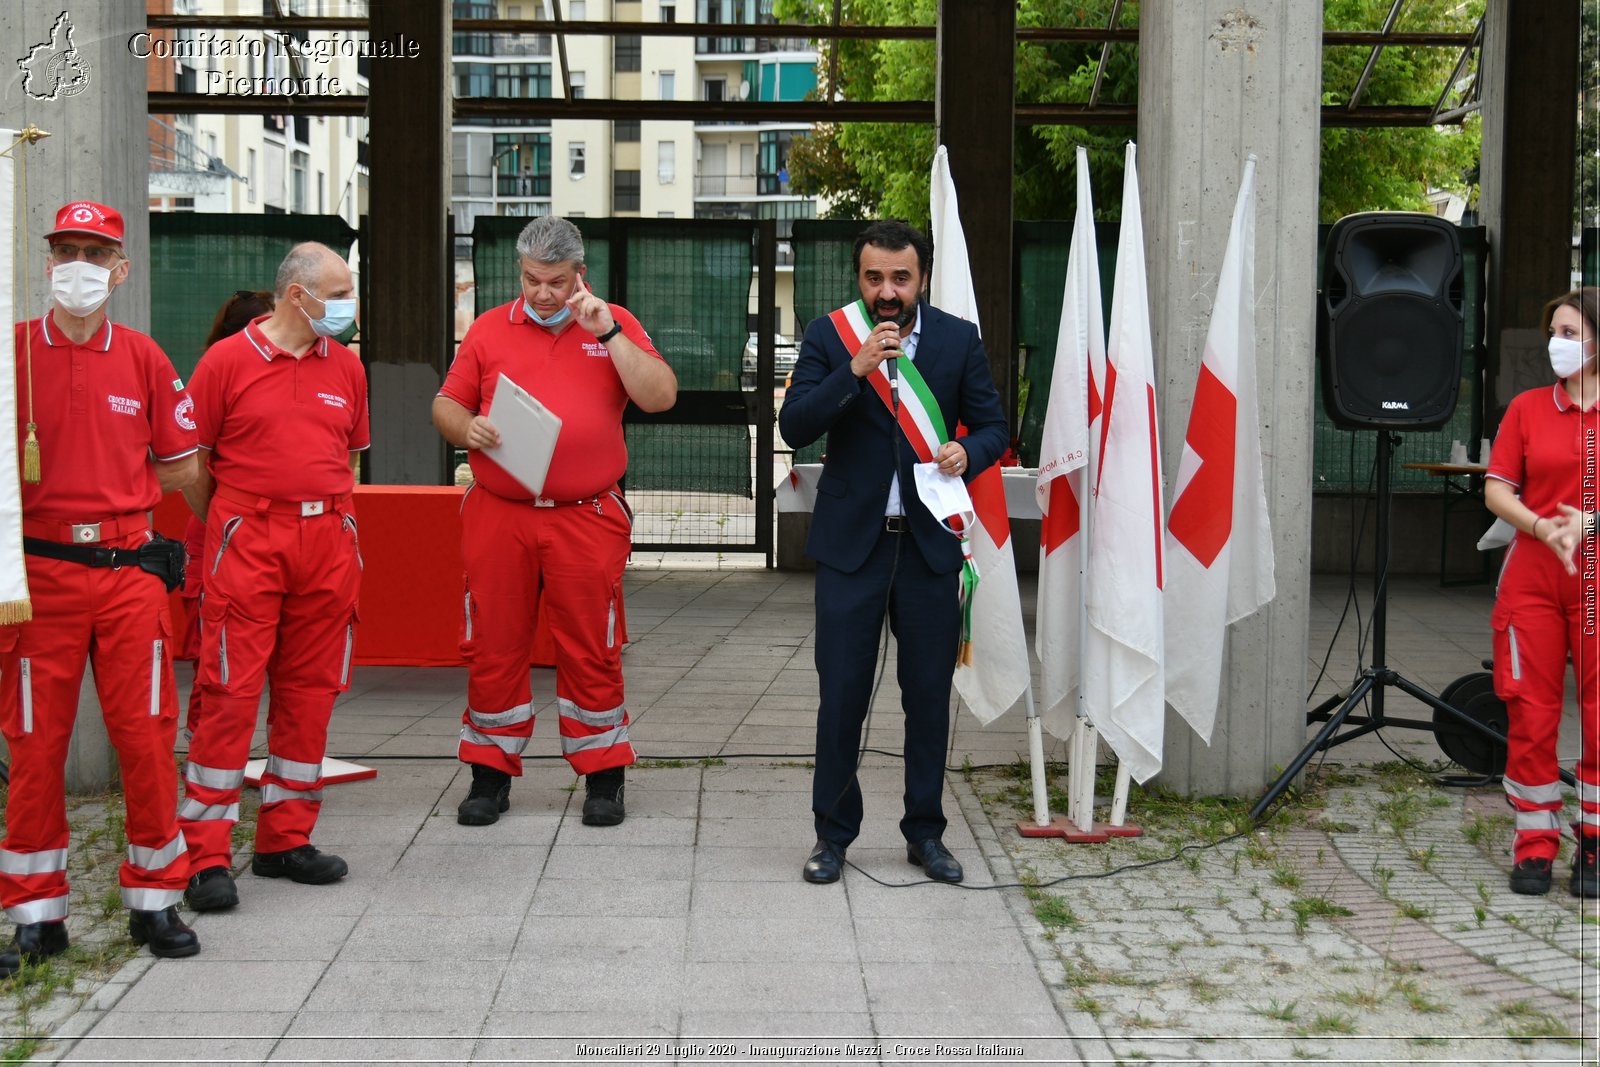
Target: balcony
{"points": [[523, 185], [486, 45], [741, 185]]}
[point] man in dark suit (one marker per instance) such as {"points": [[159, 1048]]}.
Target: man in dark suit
{"points": [[878, 548]]}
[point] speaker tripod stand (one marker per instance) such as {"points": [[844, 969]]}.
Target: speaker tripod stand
{"points": [[1377, 678]]}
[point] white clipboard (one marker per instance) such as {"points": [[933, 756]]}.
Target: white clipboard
{"points": [[528, 432]]}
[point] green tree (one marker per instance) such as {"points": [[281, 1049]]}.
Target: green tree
{"points": [[866, 169], [1377, 168]]}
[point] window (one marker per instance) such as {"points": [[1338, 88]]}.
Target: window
{"points": [[250, 174], [628, 52], [298, 161], [773, 177], [669, 85], [666, 162], [714, 89], [577, 10], [578, 81], [625, 190], [627, 131], [322, 192], [669, 11], [575, 159], [747, 160]]}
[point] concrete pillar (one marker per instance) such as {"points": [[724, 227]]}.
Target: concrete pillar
{"points": [[1529, 69], [95, 113], [92, 101], [1219, 80]]}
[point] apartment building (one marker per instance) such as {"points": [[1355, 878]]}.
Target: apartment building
{"points": [[629, 168], [254, 164]]}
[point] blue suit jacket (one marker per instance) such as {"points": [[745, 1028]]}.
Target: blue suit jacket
{"points": [[864, 444]]}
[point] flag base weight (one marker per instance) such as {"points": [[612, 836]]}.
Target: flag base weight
{"points": [[1064, 828], [334, 771]]}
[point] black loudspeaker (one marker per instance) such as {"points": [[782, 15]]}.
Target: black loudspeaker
{"points": [[1389, 321]]}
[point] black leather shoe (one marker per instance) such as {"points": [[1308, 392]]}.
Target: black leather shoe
{"points": [[602, 802], [211, 890], [1531, 877], [489, 796], [934, 859], [1585, 880], [34, 942], [164, 932], [304, 864], [824, 863]]}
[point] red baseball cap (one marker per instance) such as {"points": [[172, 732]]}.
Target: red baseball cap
{"points": [[85, 216]]}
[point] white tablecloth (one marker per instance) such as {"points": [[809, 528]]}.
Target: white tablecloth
{"points": [[797, 490]]}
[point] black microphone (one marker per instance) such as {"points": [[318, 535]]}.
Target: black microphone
{"points": [[893, 370]]}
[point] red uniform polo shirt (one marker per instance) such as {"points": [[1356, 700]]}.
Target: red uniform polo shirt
{"points": [[1543, 446], [105, 409], [571, 373], [277, 426]]}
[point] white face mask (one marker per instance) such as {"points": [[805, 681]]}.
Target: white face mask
{"points": [[80, 287], [1566, 356]]}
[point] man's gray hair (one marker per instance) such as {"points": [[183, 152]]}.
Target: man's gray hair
{"points": [[302, 266], [551, 239]]}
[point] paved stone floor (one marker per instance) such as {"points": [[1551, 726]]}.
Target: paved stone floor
{"points": [[1369, 923]]}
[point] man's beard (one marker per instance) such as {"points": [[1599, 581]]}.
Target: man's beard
{"points": [[901, 318]]}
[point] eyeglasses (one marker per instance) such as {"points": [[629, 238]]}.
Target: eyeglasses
{"points": [[100, 255]]}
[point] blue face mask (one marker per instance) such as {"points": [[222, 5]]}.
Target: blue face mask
{"points": [[554, 320], [337, 316]]}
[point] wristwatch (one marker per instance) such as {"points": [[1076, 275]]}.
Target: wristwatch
{"points": [[616, 328]]}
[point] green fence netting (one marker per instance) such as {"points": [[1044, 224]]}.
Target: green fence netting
{"points": [[198, 260], [1039, 252], [1589, 256], [688, 282]]}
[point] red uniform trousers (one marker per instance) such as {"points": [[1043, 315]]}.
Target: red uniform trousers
{"points": [[279, 607], [194, 542], [116, 619], [569, 559], [1538, 620]]}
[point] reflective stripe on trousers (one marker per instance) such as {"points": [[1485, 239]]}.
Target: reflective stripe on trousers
{"points": [[48, 909], [22, 864]]}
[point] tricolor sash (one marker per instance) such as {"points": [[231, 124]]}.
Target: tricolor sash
{"points": [[924, 426]]}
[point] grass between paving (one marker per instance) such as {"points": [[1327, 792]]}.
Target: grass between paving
{"points": [[1169, 821], [37, 995]]}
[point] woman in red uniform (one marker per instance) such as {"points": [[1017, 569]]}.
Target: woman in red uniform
{"points": [[235, 313], [1542, 480]]}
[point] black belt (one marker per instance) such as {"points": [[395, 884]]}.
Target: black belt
{"points": [[159, 556], [88, 555], [896, 524]]}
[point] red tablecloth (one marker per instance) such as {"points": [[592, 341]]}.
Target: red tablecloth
{"points": [[411, 589]]}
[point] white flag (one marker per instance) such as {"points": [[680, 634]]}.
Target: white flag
{"points": [[1122, 664], [14, 603], [998, 673], [1064, 452], [1219, 507]]}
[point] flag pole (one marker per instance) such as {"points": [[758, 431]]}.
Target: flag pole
{"points": [[1041, 796]]}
